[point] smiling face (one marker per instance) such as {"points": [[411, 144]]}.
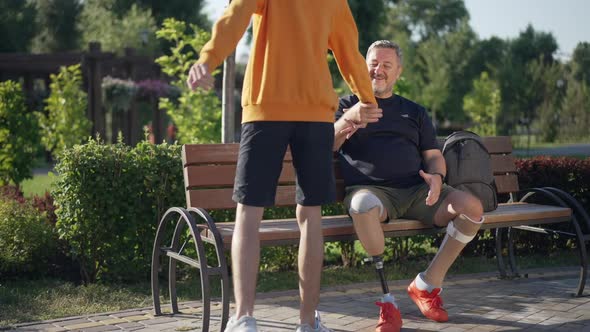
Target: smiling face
{"points": [[384, 69]]}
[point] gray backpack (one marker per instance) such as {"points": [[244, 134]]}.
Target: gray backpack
{"points": [[469, 167]]}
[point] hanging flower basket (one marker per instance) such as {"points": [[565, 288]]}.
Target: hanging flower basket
{"points": [[118, 94], [156, 88]]}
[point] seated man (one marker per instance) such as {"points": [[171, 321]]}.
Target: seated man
{"points": [[392, 168]]}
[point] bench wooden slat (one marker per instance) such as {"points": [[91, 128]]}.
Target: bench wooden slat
{"points": [[498, 144], [502, 164], [273, 232], [213, 165], [214, 199], [194, 154], [507, 183], [223, 175]]}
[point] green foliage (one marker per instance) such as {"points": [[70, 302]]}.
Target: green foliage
{"points": [[581, 62], [66, 123], [135, 28], [548, 87], [28, 239], [19, 139], [369, 16], [574, 119], [435, 80], [428, 18], [197, 114], [188, 11], [16, 24], [482, 105], [519, 99], [109, 199], [56, 25]]}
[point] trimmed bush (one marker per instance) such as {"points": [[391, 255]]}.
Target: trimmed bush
{"points": [[109, 199]]}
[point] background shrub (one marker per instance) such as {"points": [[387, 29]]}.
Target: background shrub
{"points": [[66, 123], [19, 140], [191, 107], [28, 240]]}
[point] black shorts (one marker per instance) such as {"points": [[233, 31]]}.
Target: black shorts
{"points": [[262, 150]]}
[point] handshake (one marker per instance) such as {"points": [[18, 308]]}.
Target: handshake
{"points": [[357, 117]]}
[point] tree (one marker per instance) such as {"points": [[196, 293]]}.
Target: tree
{"points": [[519, 101], [56, 26], [197, 114], [433, 87], [429, 18], [16, 24], [182, 10], [546, 92], [65, 124], [581, 62], [575, 112], [369, 16], [135, 28], [482, 105], [18, 135]]}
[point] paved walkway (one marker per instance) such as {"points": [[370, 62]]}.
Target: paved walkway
{"points": [[476, 302]]}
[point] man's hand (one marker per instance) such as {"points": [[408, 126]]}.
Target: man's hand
{"points": [[434, 181], [200, 77], [363, 114], [359, 116]]}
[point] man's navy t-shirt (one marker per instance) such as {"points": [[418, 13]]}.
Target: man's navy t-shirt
{"points": [[388, 152]]}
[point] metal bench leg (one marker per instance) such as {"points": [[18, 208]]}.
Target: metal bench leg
{"points": [[563, 199], [583, 217], [222, 267], [159, 250], [499, 257], [174, 254], [511, 255]]}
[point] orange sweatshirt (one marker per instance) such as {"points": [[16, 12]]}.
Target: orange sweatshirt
{"points": [[287, 77]]}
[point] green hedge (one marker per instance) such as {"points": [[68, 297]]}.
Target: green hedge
{"points": [[109, 199]]}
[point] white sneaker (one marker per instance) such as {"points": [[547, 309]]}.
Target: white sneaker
{"points": [[244, 324], [318, 323]]}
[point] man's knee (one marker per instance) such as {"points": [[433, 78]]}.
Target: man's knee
{"points": [[463, 228], [363, 201], [467, 204]]}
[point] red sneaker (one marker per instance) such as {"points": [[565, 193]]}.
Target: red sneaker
{"points": [[430, 304], [390, 319]]}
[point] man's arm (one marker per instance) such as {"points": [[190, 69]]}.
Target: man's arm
{"points": [[436, 170], [358, 116], [226, 34]]}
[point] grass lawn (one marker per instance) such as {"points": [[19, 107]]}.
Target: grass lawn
{"points": [[38, 184], [35, 300]]}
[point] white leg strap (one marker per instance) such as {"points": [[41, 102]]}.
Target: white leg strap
{"points": [[464, 216], [457, 235]]}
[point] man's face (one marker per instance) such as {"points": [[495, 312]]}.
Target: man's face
{"points": [[384, 69]]}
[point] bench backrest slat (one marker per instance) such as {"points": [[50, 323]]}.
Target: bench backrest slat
{"points": [[209, 171]]}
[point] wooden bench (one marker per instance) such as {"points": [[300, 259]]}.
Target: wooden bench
{"points": [[209, 171]]}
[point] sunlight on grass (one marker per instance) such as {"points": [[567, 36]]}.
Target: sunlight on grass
{"points": [[38, 184]]}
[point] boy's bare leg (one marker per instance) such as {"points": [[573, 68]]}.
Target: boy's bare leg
{"points": [[245, 253], [310, 260]]}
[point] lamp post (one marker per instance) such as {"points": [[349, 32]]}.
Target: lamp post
{"points": [[228, 105]]}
